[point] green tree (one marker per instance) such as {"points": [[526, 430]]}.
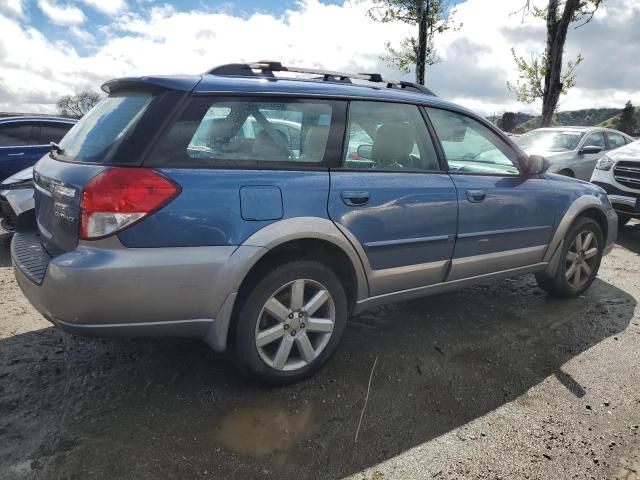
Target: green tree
{"points": [[626, 123], [542, 76], [431, 16], [508, 121]]}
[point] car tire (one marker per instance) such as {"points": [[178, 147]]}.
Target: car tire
{"points": [[567, 173], [284, 299], [580, 260]]}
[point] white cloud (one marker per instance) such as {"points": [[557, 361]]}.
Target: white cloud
{"points": [[477, 77], [108, 7], [82, 35], [476, 60], [61, 14], [12, 7]]}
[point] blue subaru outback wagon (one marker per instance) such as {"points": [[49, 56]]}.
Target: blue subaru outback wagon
{"points": [[257, 206]]}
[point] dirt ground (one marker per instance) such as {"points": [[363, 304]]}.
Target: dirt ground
{"points": [[494, 382]]}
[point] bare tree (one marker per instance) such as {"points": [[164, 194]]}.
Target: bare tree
{"points": [[543, 76], [77, 105], [431, 16]]}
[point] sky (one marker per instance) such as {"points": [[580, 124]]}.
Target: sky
{"points": [[50, 48]]}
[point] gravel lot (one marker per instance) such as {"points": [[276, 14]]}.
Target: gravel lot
{"points": [[495, 381]]}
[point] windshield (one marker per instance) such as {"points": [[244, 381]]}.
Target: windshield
{"points": [[91, 138], [550, 140]]}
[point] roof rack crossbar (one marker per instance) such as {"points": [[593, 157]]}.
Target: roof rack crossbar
{"points": [[267, 68]]}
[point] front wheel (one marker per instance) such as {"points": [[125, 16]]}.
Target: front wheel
{"points": [[291, 323], [580, 261]]}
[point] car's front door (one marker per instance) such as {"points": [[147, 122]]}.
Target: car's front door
{"points": [[15, 150], [586, 162], [392, 197], [505, 219]]}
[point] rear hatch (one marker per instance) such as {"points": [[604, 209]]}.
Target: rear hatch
{"points": [[116, 132]]}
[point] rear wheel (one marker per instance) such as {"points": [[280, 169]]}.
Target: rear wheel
{"points": [[580, 261], [291, 323]]}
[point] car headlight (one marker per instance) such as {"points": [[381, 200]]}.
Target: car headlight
{"points": [[604, 163]]}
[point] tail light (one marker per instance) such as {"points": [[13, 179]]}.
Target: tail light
{"points": [[119, 197]]}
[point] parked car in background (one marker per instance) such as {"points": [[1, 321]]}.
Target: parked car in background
{"points": [[16, 197], [153, 219], [618, 173], [24, 140], [572, 151]]}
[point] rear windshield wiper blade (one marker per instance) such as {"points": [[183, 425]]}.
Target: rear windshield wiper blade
{"points": [[55, 147]]}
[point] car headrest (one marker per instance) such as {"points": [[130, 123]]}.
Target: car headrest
{"points": [[393, 142], [315, 143]]}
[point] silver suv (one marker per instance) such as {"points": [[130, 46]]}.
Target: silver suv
{"points": [[572, 151], [619, 174]]}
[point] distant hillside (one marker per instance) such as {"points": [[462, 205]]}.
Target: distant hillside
{"points": [[612, 122], [519, 119], [583, 118]]}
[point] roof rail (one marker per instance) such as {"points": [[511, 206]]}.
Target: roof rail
{"points": [[267, 68]]}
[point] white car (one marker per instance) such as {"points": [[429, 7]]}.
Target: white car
{"points": [[618, 172], [16, 197]]}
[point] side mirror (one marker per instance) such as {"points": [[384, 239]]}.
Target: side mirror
{"points": [[588, 149], [536, 165], [365, 151]]}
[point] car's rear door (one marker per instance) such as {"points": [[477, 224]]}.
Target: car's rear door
{"points": [[615, 140], [505, 219], [391, 196], [50, 131]]}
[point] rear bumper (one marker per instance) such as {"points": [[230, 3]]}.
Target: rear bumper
{"points": [[8, 216], [13, 203], [102, 288]]}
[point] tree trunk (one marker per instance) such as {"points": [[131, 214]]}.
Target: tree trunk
{"points": [[556, 37], [422, 41]]}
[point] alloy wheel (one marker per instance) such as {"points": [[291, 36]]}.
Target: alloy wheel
{"points": [[581, 258], [295, 325]]}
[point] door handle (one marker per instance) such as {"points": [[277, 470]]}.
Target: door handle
{"points": [[355, 199], [15, 154], [476, 196]]}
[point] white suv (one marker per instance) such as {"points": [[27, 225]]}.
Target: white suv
{"points": [[618, 172]]}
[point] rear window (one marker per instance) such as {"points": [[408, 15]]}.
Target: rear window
{"points": [[51, 132], [250, 133], [91, 139]]}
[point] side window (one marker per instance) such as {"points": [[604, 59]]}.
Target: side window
{"points": [[471, 147], [15, 135], [51, 132], [215, 131], [596, 139], [388, 136], [615, 140]]}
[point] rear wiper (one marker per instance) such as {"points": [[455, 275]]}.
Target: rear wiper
{"points": [[55, 147]]}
